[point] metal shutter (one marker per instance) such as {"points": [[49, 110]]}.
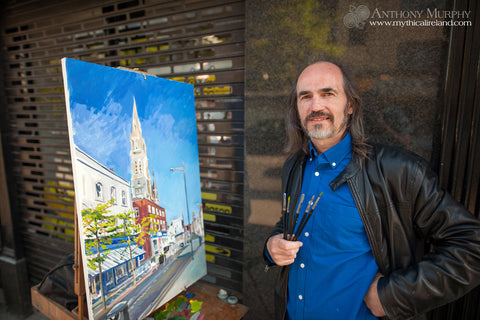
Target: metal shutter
{"points": [[201, 42]]}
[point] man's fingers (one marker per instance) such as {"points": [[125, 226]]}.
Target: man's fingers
{"points": [[283, 252], [372, 300]]}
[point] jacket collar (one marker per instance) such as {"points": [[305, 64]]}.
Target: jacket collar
{"points": [[350, 170]]}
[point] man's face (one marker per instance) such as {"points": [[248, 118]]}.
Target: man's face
{"points": [[322, 104]]}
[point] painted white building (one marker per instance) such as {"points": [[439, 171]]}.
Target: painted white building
{"points": [[96, 184], [177, 233], [197, 223]]}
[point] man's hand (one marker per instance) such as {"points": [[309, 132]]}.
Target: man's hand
{"points": [[371, 298], [283, 252]]}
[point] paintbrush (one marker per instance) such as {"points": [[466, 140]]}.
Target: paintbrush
{"points": [[284, 215], [305, 214], [306, 217], [294, 219]]}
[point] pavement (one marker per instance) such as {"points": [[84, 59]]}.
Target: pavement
{"points": [[5, 315]]}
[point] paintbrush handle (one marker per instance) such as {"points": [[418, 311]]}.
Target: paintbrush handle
{"points": [[294, 219], [305, 214], [284, 215], [306, 217], [302, 225]]}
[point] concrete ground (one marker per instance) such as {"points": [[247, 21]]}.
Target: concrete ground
{"points": [[258, 284], [5, 315]]}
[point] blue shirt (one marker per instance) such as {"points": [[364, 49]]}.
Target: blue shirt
{"points": [[335, 266]]}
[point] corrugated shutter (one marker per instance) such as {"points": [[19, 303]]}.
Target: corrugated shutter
{"points": [[201, 42]]}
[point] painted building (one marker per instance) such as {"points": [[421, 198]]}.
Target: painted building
{"points": [[99, 184], [116, 269], [147, 211], [177, 232], [197, 222], [142, 186]]}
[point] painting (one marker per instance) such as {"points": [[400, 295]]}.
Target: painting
{"points": [[133, 142]]}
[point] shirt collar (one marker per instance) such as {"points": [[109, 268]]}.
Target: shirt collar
{"points": [[335, 154]]}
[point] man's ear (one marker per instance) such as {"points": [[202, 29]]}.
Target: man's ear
{"points": [[350, 108]]}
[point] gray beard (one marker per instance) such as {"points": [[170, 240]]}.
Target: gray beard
{"points": [[318, 133]]}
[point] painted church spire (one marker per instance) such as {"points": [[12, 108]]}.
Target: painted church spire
{"points": [[141, 181]]}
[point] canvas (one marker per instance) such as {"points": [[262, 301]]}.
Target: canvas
{"points": [[133, 142]]}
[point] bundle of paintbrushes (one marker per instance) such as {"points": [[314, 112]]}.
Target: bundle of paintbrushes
{"points": [[290, 219]]}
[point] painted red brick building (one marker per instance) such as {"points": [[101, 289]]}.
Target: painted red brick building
{"points": [[145, 208]]}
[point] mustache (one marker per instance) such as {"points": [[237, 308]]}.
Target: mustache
{"points": [[318, 114]]}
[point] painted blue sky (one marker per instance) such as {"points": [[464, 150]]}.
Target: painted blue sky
{"points": [[101, 108]]}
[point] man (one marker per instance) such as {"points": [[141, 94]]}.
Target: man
{"points": [[364, 253]]}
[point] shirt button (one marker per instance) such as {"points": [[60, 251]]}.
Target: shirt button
{"points": [[300, 297], [316, 174], [302, 265], [334, 164], [307, 234]]}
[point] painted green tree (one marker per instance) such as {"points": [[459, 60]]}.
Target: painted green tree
{"points": [[99, 229], [133, 233], [146, 228]]}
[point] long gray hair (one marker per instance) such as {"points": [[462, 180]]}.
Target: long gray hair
{"points": [[297, 139]]}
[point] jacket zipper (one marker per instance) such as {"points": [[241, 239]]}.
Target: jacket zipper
{"points": [[366, 224]]}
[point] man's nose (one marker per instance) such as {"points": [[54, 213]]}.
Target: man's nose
{"points": [[317, 103]]}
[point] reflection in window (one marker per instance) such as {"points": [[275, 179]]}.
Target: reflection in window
{"points": [[219, 139], [183, 68], [204, 126], [184, 43], [215, 115], [205, 104], [157, 21], [212, 65], [160, 70]]}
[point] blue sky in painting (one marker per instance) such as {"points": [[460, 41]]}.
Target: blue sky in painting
{"points": [[101, 108]]}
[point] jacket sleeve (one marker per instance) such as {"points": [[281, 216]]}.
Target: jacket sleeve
{"points": [[286, 170], [451, 268], [277, 229]]}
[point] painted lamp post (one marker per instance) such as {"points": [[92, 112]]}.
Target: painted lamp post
{"points": [[182, 168]]}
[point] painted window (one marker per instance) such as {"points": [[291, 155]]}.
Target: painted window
{"points": [[113, 194], [124, 198], [99, 191]]}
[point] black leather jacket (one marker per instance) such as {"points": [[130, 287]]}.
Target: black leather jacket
{"points": [[425, 243]]}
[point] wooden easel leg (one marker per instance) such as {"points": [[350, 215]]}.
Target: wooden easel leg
{"points": [[79, 276]]}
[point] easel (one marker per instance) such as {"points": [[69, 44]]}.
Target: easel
{"points": [[79, 276], [54, 310]]}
